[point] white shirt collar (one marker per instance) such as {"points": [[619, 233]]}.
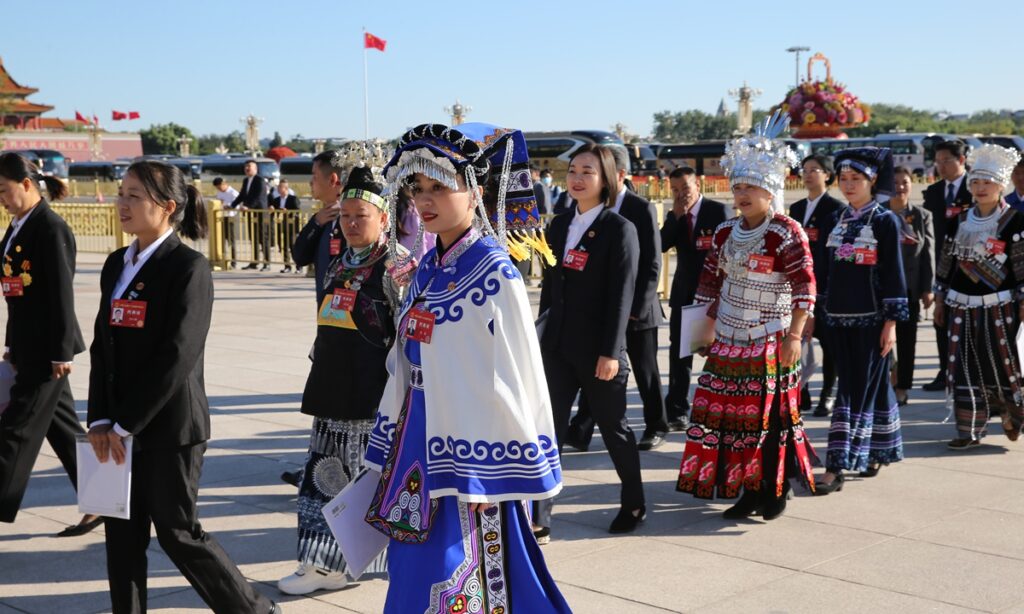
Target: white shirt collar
{"points": [[618, 200], [812, 204], [133, 249], [695, 209], [956, 183], [587, 218]]}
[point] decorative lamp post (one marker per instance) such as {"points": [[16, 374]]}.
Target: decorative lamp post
{"points": [[458, 111], [797, 51], [184, 146], [252, 133], [319, 145], [745, 111]]}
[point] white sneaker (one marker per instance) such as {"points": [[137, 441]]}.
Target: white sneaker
{"points": [[309, 578]]}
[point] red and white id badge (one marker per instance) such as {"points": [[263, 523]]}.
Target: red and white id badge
{"points": [[863, 255], [952, 212], [12, 286], [995, 246], [128, 314], [343, 299], [704, 242], [420, 326], [812, 234], [760, 264], [335, 247], [575, 260]]}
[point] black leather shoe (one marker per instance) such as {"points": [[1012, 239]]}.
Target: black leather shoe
{"points": [[821, 488], [825, 406], [651, 442], [678, 425], [266, 267], [292, 477], [573, 441], [871, 471], [746, 506], [626, 521], [82, 527], [772, 507], [936, 385], [805, 399]]}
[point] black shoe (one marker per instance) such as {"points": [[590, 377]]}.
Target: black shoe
{"points": [[626, 522], [871, 471], [936, 385], [274, 608], [651, 442], [292, 477], [266, 267], [250, 266], [232, 266], [287, 269], [678, 425], [902, 402], [772, 507], [821, 488], [746, 506], [81, 528], [805, 400], [543, 535], [825, 406], [962, 443], [573, 440]]}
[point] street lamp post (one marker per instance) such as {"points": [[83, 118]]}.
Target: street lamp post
{"points": [[797, 51]]}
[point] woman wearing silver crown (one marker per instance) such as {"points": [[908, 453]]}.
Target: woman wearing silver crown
{"points": [[979, 287], [464, 435], [746, 432], [860, 279]]}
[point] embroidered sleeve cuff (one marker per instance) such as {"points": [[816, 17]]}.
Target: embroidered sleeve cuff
{"points": [[804, 301], [897, 309]]}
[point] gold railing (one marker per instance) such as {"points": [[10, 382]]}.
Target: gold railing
{"points": [[107, 190]]}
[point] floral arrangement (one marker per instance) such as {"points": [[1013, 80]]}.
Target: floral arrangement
{"points": [[824, 104]]}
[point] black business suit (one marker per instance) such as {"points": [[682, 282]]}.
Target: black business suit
{"points": [[253, 195], [917, 246], [820, 222], [150, 382], [585, 317], [289, 226], [935, 203], [689, 263], [312, 246], [41, 329], [642, 331]]}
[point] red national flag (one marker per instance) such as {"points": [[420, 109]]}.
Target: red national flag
{"points": [[81, 118], [118, 116], [372, 42], [95, 121], [133, 115]]}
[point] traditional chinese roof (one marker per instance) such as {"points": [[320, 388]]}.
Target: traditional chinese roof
{"points": [[10, 87], [24, 107]]}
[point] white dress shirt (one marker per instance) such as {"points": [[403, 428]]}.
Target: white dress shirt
{"points": [[133, 263], [579, 225], [16, 225], [811, 206], [956, 186], [618, 201]]}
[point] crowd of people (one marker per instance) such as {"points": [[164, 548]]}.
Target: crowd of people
{"points": [[415, 290]]}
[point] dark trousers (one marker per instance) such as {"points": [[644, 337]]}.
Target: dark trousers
{"points": [[906, 341], [288, 230], [828, 362], [642, 349], [677, 401], [36, 411], [565, 379], [942, 342], [165, 484], [262, 229]]}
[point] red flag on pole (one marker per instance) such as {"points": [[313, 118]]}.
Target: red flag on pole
{"points": [[81, 118], [372, 42], [118, 115], [95, 120], [133, 115]]}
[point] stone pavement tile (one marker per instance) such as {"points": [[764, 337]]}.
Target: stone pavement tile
{"points": [[263, 382], [802, 593], [978, 530], [265, 491], [223, 467], [1013, 504], [6, 610], [256, 436], [930, 571], [993, 458], [929, 483], [571, 538], [365, 597], [32, 537], [589, 601], [703, 577]]}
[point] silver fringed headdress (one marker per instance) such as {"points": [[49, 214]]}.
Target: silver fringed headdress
{"points": [[371, 155], [993, 163], [472, 150], [760, 159]]}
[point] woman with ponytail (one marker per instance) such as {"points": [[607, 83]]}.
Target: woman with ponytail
{"points": [[42, 335], [147, 383]]}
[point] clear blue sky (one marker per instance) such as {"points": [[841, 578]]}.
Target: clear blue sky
{"points": [[536, 65]]}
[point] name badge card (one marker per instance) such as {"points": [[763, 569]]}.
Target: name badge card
{"points": [[128, 314], [760, 264], [995, 246], [952, 212], [343, 299], [575, 260], [704, 242], [812, 234], [335, 247], [863, 255], [12, 286], [420, 326]]}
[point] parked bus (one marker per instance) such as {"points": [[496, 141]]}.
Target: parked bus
{"points": [[297, 169], [1010, 141], [51, 162], [232, 168], [102, 170], [915, 150], [552, 150]]}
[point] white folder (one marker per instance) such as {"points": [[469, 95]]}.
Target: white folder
{"points": [[691, 326], [104, 488], [360, 543]]}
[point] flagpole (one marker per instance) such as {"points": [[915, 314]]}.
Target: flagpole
{"points": [[366, 91]]}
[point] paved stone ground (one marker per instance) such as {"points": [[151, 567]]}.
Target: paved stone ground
{"points": [[938, 532]]}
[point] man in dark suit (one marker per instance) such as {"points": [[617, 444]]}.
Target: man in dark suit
{"points": [[644, 319], [253, 195], [286, 200], [689, 228], [1016, 198], [321, 239], [946, 199], [815, 213]]}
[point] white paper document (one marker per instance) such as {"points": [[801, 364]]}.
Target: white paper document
{"points": [[360, 543], [1020, 349], [104, 488], [691, 327]]}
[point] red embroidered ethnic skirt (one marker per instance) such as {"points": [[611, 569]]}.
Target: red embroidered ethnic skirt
{"points": [[730, 422]]}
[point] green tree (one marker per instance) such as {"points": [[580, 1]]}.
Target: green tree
{"points": [[692, 125], [162, 138], [277, 141], [208, 144]]}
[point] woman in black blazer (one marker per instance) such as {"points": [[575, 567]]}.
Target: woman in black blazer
{"points": [[585, 305], [42, 334], [147, 382]]}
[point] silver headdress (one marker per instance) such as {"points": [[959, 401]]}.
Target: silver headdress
{"points": [[993, 163], [761, 159]]}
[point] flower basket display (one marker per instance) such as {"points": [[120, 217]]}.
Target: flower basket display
{"points": [[823, 109]]}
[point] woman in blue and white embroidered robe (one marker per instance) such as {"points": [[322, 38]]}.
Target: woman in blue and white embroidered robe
{"points": [[464, 434]]}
